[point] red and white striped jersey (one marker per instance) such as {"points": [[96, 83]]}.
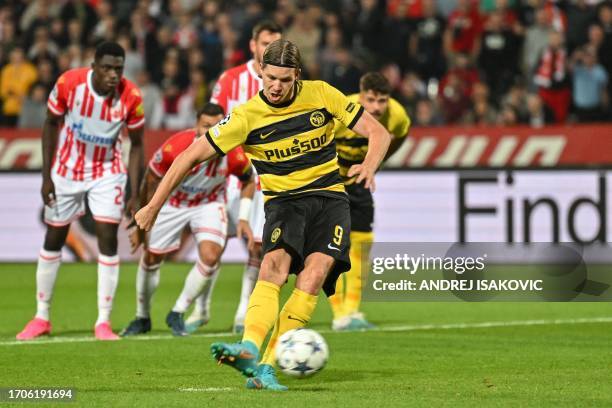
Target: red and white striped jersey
{"points": [[89, 144], [236, 86], [205, 183]]}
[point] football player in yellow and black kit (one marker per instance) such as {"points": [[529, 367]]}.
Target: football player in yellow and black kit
{"points": [[287, 132], [374, 96]]}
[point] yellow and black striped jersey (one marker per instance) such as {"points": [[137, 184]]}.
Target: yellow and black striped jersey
{"points": [[291, 145], [352, 148]]}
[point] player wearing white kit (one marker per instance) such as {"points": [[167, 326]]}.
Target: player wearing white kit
{"points": [[236, 86], [199, 201], [94, 105]]}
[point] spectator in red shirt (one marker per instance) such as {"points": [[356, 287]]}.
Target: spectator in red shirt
{"points": [[462, 69], [411, 9], [552, 77], [456, 87], [463, 29], [453, 98]]}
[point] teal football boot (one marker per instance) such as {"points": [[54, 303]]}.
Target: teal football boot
{"points": [[241, 356], [265, 380]]}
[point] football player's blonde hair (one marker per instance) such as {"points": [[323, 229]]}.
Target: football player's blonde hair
{"points": [[282, 53]]}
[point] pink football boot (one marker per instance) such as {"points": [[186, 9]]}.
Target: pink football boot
{"points": [[35, 328], [104, 332]]}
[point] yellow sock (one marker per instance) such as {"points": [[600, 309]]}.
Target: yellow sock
{"points": [[295, 314], [262, 312], [336, 301], [360, 248]]}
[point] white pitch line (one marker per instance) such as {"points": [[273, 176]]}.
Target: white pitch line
{"points": [[477, 325], [400, 328], [88, 339], [209, 389]]}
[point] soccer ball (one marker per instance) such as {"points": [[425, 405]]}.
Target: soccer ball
{"points": [[301, 353]]}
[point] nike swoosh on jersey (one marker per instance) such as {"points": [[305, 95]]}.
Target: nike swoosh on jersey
{"points": [[262, 136], [295, 318], [333, 247]]}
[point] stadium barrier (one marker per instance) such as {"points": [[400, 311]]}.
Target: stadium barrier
{"points": [[576, 146]]}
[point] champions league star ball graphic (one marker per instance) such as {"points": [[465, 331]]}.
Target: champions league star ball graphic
{"points": [[301, 353]]}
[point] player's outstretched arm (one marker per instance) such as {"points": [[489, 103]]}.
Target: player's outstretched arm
{"points": [[378, 144], [198, 152], [135, 167], [49, 144]]}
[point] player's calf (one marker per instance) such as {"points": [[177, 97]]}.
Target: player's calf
{"points": [[55, 237], [209, 253], [198, 286], [46, 274], [108, 278], [147, 280], [249, 278]]}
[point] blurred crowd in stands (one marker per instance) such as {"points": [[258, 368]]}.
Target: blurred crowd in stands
{"points": [[466, 62]]}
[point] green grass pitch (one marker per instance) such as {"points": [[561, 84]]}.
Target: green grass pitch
{"points": [[425, 355]]}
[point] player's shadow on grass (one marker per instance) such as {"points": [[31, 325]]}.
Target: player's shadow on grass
{"points": [[296, 388], [339, 375], [71, 333]]}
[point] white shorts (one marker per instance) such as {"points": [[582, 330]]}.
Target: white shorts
{"points": [[257, 218], [208, 222], [104, 196]]}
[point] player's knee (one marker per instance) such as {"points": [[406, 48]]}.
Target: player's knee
{"points": [[150, 259], [55, 238], [107, 238], [209, 259], [318, 264], [315, 271], [107, 244], [108, 248], [275, 267], [209, 252]]}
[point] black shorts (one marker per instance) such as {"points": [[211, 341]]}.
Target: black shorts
{"points": [[307, 224], [362, 207]]}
